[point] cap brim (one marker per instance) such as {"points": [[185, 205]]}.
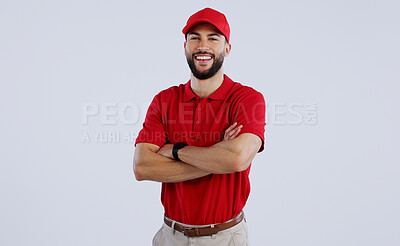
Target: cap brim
{"points": [[187, 28]]}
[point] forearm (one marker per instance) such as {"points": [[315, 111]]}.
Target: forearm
{"points": [[223, 157], [155, 167]]}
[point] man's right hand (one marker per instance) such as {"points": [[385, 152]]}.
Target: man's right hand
{"points": [[232, 131]]}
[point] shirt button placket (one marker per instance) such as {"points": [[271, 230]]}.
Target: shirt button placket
{"points": [[197, 115]]}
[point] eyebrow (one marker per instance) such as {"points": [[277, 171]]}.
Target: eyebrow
{"points": [[198, 34]]}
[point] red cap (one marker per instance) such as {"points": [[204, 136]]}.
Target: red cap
{"points": [[211, 16]]}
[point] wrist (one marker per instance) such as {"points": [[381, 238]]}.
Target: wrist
{"points": [[176, 148]]}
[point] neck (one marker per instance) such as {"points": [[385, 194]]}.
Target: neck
{"points": [[205, 87]]}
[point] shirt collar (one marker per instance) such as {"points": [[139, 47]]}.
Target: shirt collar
{"points": [[219, 94]]}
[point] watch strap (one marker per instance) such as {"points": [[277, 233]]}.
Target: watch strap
{"points": [[175, 149]]}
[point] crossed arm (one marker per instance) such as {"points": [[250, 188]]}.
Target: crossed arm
{"points": [[233, 154]]}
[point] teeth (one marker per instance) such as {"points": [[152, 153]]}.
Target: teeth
{"points": [[203, 57]]}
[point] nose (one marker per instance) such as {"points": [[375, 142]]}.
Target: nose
{"points": [[203, 45]]}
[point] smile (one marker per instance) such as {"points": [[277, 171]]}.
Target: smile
{"points": [[203, 57]]}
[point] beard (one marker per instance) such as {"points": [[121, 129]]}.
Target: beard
{"points": [[217, 64]]}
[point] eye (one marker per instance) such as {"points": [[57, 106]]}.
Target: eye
{"points": [[213, 39], [194, 38]]}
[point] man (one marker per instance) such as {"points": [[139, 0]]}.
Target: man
{"points": [[199, 140]]}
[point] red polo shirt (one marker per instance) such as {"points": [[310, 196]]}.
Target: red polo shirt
{"points": [[178, 115]]}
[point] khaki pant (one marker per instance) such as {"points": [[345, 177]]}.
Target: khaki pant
{"points": [[234, 236]]}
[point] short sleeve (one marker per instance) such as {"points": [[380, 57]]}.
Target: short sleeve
{"points": [[153, 130], [250, 112]]}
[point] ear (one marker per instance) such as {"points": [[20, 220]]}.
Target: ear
{"points": [[228, 48]]}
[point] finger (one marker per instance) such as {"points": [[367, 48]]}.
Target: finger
{"points": [[231, 132], [234, 132], [229, 129], [228, 135]]}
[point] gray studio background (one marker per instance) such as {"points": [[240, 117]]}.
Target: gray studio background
{"points": [[329, 174]]}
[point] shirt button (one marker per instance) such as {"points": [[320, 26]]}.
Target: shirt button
{"points": [[198, 109], [197, 122]]}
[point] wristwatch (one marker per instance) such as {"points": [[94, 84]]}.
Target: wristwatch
{"points": [[175, 149]]}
